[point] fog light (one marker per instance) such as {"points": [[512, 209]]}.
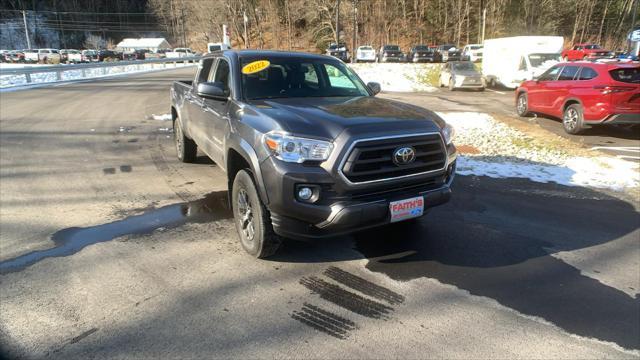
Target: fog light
{"points": [[305, 193]]}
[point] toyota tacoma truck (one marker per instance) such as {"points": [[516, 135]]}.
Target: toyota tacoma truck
{"points": [[308, 150]]}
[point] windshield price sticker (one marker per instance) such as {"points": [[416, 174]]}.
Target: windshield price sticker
{"points": [[406, 209], [255, 66]]}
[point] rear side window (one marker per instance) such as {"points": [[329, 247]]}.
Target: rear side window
{"points": [[568, 73], [628, 75], [205, 69], [587, 73]]}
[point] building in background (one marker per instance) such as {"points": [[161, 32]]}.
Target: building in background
{"points": [[152, 44]]}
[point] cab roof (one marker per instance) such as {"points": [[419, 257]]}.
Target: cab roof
{"points": [[267, 53]]}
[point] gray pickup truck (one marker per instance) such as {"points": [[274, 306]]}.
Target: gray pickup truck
{"points": [[308, 149]]}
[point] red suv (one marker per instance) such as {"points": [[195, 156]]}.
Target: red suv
{"points": [[585, 52], [583, 94]]}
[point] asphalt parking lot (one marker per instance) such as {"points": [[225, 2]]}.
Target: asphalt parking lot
{"points": [[112, 248]]}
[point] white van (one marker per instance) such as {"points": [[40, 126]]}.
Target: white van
{"points": [[510, 61], [211, 47]]}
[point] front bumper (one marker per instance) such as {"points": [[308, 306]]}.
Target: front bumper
{"points": [[423, 59], [341, 211], [393, 58]]}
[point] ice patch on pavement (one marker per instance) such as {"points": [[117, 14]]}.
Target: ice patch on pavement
{"points": [[163, 117], [397, 77], [505, 152]]}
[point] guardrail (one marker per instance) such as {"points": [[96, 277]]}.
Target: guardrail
{"points": [[60, 69]]}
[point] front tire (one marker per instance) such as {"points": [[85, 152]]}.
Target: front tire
{"points": [[252, 219], [186, 148], [522, 105], [573, 119]]}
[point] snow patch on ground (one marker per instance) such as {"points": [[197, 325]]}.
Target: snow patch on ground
{"points": [[68, 73], [504, 152], [398, 77], [163, 117]]}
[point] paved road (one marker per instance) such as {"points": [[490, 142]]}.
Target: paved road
{"points": [[111, 248], [623, 143]]}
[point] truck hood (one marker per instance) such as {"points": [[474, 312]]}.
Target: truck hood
{"points": [[330, 116]]}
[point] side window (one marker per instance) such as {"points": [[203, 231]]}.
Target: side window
{"points": [[205, 69], [337, 78], [587, 73], [568, 73], [523, 64], [310, 76], [550, 74], [222, 73]]}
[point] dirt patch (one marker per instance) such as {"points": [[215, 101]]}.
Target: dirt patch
{"points": [[467, 150]]}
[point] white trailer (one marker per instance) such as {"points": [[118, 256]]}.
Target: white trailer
{"points": [[510, 61]]}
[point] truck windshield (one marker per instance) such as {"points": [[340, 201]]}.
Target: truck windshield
{"points": [[543, 60], [299, 77], [392, 47]]}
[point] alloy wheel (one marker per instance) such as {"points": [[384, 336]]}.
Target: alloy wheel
{"points": [[522, 104], [245, 217], [570, 118]]}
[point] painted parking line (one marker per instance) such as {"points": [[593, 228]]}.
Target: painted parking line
{"points": [[618, 148], [496, 91], [628, 157]]}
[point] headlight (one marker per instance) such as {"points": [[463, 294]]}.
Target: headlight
{"points": [[296, 149], [448, 132]]}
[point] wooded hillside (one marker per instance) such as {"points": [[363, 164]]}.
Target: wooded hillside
{"points": [[311, 24]]}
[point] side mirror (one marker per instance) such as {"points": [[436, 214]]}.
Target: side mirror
{"points": [[374, 87], [213, 90]]}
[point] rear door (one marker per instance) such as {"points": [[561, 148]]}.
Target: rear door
{"points": [[215, 112], [193, 103]]}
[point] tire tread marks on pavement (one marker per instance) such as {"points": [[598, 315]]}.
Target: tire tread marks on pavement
{"points": [[364, 286], [324, 321], [361, 302]]}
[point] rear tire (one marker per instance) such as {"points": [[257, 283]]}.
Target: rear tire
{"points": [[252, 219], [186, 148], [573, 119], [451, 87], [522, 105]]}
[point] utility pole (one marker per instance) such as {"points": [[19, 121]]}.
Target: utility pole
{"points": [[246, 20], [355, 30], [338, 22], [26, 29], [633, 23], [484, 23], [184, 36], [480, 21]]}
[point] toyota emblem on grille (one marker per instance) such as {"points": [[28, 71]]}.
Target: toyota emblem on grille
{"points": [[404, 155]]}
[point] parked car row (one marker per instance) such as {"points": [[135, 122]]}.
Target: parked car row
{"points": [[417, 53], [73, 56]]}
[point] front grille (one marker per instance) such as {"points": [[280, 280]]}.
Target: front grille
{"points": [[372, 160]]}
